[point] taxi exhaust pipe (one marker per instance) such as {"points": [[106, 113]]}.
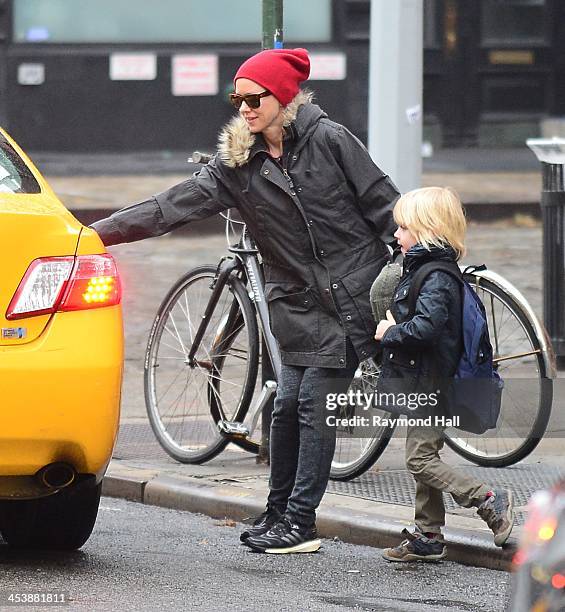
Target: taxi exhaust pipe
{"points": [[57, 475]]}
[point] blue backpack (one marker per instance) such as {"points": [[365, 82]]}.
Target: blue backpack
{"points": [[475, 392]]}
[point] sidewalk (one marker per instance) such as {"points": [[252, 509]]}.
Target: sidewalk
{"points": [[493, 183]]}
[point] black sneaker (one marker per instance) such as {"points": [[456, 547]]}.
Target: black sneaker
{"points": [[416, 547], [262, 524], [286, 537], [498, 513]]}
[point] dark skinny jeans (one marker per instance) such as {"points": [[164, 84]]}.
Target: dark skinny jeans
{"points": [[302, 444]]}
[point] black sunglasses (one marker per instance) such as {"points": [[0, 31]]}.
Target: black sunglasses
{"points": [[252, 100]]}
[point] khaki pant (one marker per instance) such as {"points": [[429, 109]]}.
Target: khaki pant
{"points": [[433, 476]]}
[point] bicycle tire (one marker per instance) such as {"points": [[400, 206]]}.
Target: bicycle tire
{"points": [[365, 377], [366, 461], [466, 445], [204, 421]]}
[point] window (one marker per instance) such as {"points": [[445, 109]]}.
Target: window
{"points": [[513, 21], [432, 24], [15, 176], [514, 94], [167, 21]]}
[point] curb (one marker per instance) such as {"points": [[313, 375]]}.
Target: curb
{"points": [[236, 503]]}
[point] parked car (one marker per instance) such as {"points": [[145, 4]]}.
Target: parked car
{"points": [[61, 356], [539, 584]]}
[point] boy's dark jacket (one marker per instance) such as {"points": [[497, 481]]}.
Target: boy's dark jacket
{"points": [[430, 343], [321, 237]]}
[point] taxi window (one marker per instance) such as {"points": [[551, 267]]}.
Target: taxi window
{"points": [[15, 176]]}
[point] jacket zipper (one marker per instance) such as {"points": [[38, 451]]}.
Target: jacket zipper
{"points": [[337, 311], [288, 178], [299, 207]]}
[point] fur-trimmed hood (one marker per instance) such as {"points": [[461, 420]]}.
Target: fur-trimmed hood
{"points": [[236, 140]]}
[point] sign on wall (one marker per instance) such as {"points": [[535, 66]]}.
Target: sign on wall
{"points": [[195, 75], [133, 66], [31, 74], [328, 66]]}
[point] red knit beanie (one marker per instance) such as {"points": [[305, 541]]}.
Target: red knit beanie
{"points": [[278, 70]]}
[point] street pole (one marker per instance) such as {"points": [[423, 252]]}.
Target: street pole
{"points": [[395, 89], [272, 39], [551, 153], [272, 24]]}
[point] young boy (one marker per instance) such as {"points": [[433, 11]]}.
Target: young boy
{"points": [[431, 226]]}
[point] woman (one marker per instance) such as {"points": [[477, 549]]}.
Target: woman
{"points": [[320, 212]]}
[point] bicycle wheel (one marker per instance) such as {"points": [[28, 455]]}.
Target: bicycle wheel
{"points": [[357, 448], [528, 390], [184, 403]]}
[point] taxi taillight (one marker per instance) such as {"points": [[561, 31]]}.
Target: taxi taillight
{"points": [[94, 283], [54, 284]]}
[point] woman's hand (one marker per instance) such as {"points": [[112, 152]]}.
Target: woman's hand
{"points": [[384, 325]]}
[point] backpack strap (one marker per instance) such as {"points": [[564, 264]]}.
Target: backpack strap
{"points": [[422, 273]]}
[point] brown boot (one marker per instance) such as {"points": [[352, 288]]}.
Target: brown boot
{"points": [[416, 547], [498, 512]]}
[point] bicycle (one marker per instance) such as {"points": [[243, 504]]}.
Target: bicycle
{"points": [[524, 360], [203, 355]]}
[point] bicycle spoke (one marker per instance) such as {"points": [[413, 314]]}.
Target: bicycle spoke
{"points": [[176, 401], [177, 333], [172, 383], [173, 348], [223, 380], [242, 356]]}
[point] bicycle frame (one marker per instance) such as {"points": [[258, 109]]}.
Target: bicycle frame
{"points": [[226, 267], [247, 253], [246, 264], [246, 261]]}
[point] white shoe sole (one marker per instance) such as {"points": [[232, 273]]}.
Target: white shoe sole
{"points": [[305, 547]]}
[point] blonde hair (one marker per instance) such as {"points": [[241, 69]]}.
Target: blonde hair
{"points": [[434, 216]]}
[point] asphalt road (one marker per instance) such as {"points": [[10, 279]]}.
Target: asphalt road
{"points": [[148, 558]]}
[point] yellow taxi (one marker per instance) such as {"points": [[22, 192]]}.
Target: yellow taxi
{"points": [[61, 356]]}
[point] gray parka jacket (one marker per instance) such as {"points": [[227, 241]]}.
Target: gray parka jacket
{"points": [[321, 231]]}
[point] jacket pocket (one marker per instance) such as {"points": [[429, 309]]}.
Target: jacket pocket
{"points": [[401, 364], [358, 286], [399, 306], [294, 318], [401, 382], [408, 370], [337, 200]]}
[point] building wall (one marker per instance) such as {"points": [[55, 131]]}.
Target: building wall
{"points": [[490, 77]]}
